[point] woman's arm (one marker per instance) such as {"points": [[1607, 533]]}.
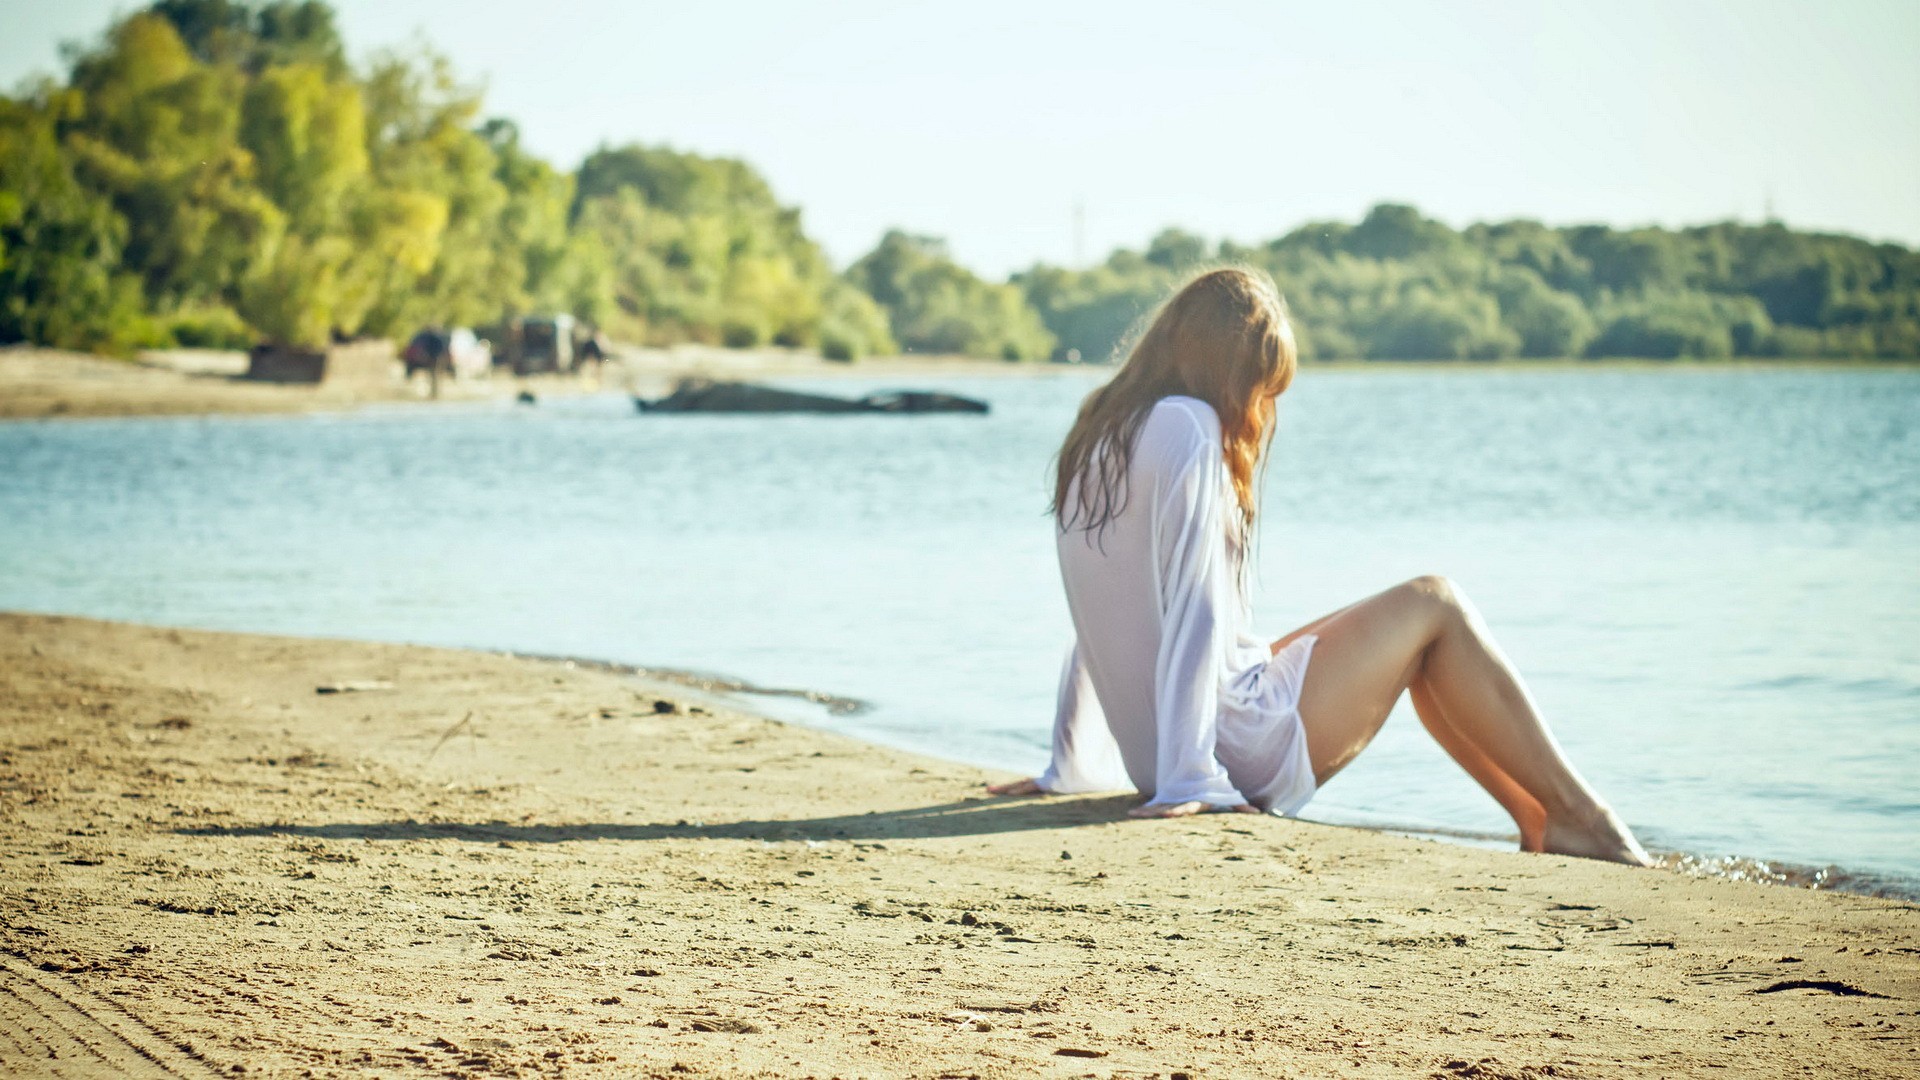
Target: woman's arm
{"points": [[1197, 600]]}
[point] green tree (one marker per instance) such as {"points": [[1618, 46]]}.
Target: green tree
{"points": [[1393, 231], [308, 138], [253, 38], [1176, 250], [1667, 327], [1529, 245], [307, 135], [433, 217], [1426, 326], [701, 249], [158, 136], [1549, 323], [559, 270], [1632, 262], [853, 325], [935, 305], [60, 245], [1093, 312]]}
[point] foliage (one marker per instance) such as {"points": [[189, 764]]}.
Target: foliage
{"points": [[853, 325], [1402, 286], [1424, 325], [1545, 321], [1092, 312], [700, 249], [935, 305], [61, 276], [212, 171], [208, 328], [227, 33]]}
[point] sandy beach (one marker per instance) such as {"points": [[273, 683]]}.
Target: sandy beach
{"points": [[46, 383], [42, 383], [477, 865]]}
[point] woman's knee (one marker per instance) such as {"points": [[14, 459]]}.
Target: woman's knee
{"points": [[1436, 596], [1435, 589]]}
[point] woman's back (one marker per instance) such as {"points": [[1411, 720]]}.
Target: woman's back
{"points": [[1116, 575], [1159, 616]]}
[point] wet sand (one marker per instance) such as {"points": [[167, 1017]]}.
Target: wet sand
{"points": [[478, 865]]}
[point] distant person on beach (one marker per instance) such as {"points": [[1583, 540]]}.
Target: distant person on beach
{"points": [[1167, 693]]}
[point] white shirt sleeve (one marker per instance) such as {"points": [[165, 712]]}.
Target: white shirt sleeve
{"points": [[1197, 599], [1085, 755]]}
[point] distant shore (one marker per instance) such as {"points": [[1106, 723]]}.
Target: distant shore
{"points": [[289, 854], [48, 383]]}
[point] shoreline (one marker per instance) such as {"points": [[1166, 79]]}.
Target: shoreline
{"points": [[1759, 870], [41, 384], [726, 690], [489, 864]]}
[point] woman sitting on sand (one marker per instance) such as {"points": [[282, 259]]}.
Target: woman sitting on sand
{"points": [[1165, 692]]}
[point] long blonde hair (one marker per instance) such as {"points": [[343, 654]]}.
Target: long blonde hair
{"points": [[1224, 338]]}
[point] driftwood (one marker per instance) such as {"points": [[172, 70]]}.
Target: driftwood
{"points": [[707, 396]]}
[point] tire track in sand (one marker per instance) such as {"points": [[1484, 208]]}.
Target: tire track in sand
{"points": [[57, 1028]]}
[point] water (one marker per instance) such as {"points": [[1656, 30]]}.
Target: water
{"points": [[1708, 577]]}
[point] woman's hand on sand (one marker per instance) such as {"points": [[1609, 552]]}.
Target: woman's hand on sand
{"points": [[1017, 788], [1187, 809]]}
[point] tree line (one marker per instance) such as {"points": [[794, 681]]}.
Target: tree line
{"points": [[1402, 286], [214, 173]]}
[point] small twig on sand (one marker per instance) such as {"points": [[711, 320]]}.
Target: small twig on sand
{"points": [[465, 722]]}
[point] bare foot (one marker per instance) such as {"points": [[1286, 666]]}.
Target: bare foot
{"points": [[1186, 809], [1603, 836], [1017, 788]]}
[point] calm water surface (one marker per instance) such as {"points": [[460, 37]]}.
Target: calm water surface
{"points": [[1710, 578]]}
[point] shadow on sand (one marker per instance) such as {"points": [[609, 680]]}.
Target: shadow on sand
{"points": [[967, 817]]}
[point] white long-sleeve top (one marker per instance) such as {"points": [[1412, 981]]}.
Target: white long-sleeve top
{"points": [[1165, 691]]}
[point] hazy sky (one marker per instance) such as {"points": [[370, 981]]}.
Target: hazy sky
{"points": [[987, 122]]}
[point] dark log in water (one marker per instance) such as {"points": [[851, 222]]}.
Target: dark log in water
{"points": [[706, 396]]}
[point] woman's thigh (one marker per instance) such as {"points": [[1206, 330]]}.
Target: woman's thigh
{"points": [[1311, 628], [1365, 657]]}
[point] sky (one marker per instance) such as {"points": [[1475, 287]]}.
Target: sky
{"points": [[998, 125]]}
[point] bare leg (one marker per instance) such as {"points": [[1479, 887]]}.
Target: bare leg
{"points": [[1424, 634], [1528, 815]]}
